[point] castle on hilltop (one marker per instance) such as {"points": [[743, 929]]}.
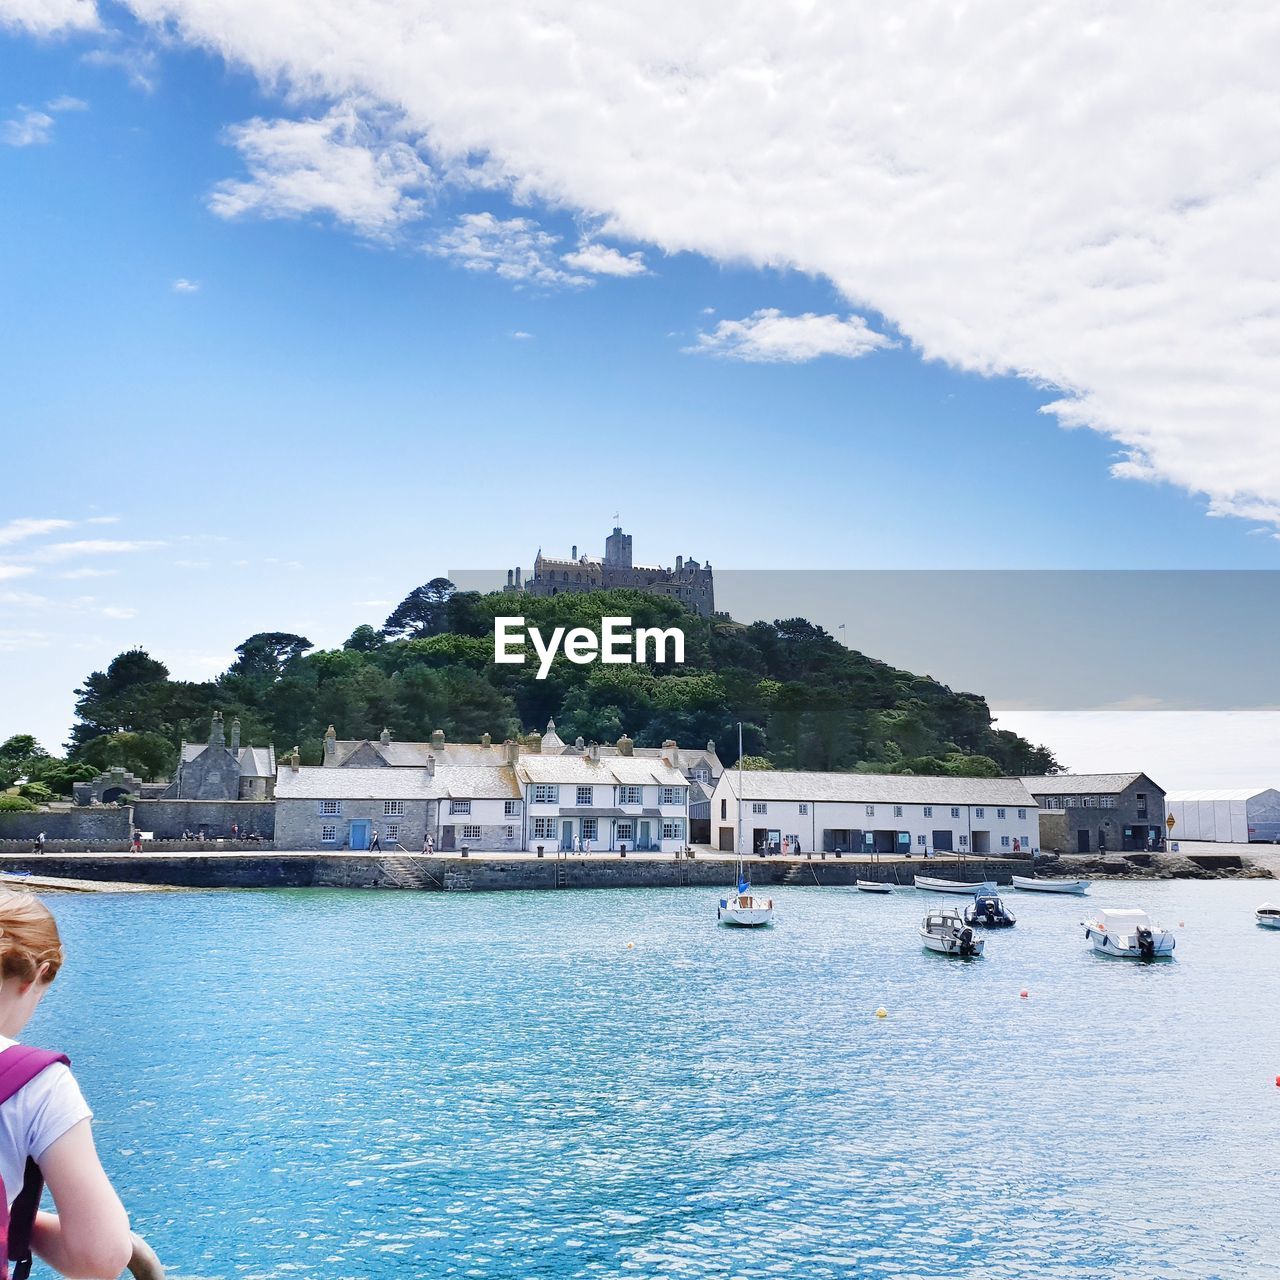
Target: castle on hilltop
{"points": [[689, 582]]}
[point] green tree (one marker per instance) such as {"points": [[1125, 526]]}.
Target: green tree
{"points": [[147, 754], [423, 612]]}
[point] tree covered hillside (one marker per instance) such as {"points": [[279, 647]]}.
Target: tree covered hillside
{"points": [[805, 700]]}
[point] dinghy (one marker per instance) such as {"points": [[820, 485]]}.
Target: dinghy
{"points": [[970, 887], [873, 886], [988, 912], [943, 930], [1077, 887], [1129, 934], [743, 909], [1268, 916]]}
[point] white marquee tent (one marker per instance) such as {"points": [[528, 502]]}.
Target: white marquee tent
{"points": [[1227, 817]]}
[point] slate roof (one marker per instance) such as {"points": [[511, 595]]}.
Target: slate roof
{"points": [[403, 755], [255, 762], [608, 770], [877, 788], [1079, 784], [315, 782]]}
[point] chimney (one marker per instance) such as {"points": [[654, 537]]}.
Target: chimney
{"points": [[330, 743], [534, 743], [512, 748], [625, 745], [679, 563], [510, 575], [595, 753], [216, 737], [235, 735], [711, 746], [431, 766], [384, 738], [517, 577], [672, 752], [295, 759], [486, 740], [579, 743], [437, 737], [574, 556]]}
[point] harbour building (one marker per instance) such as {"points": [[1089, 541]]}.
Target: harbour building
{"points": [[1097, 812]]}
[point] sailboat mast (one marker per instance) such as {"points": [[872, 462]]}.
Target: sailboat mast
{"points": [[739, 801]]}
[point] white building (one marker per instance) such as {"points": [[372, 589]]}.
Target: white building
{"points": [[1233, 816], [874, 813], [604, 803]]}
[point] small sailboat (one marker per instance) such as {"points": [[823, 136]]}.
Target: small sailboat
{"points": [[968, 887], [943, 930], [743, 909], [1032, 885], [988, 912], [1130, 934], [873, 886], [1268, 916]]}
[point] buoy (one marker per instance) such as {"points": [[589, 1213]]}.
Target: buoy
{"points": [[1182, 924], [630, 945], [882, 1012], [1023, 993], [1278, 1082]]}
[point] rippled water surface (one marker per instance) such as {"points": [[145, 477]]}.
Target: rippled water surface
{"points": [[323, 1084]]}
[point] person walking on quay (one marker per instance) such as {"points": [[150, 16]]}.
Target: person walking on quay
{"points": [[375, 844], [44, 1121], [37, 845], [577, 844], [428, 844], [136, 846]]}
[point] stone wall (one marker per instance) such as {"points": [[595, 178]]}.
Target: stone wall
{"points": [[100, 823], [168, 819]]}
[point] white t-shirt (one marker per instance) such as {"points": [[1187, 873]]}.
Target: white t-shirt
{"points": [[35, 1118]]}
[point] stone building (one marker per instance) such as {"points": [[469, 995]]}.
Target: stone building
{"points": [[218, 770], [1096, 812], [689, 582]]}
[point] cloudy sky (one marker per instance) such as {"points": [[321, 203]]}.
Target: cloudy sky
{"points": [[306, 304]]}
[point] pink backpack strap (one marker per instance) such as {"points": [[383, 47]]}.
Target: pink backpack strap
{"points": [[19, 1065]]}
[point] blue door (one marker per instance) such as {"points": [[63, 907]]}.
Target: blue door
{"points": [[360, 834], [566, 836]]}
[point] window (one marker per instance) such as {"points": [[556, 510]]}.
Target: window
{"points": [[999, 813], [1141, 798], [546, 794], [979, 813], [328, 834], [724, 810], [1022, 813], [673, 828], [759, 806], [462, 807], [511, 833], [393, 809], [588, 828], [330, 808], [928, 811], [919, 839], [871, 811], [471, 833], [897, 811], [1026, 842], [672, 795], [635, 795], [1004, 840], [804, 810], [584, 795], [510, 808], [544, 828], [1106, 802], [1089, 802], [964, 839], [955, 813], [624, 831], [393, 832]]}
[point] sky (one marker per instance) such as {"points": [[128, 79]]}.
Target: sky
{"points": [[305, 305]]}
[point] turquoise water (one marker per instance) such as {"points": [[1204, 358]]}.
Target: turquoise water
{"points": [[320, 1084]]}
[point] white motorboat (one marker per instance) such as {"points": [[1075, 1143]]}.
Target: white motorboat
{"points": [[968, 887], [1130, 934], [873, 886], [743, 909], [1268, 916], [944, 930], [987, 911], [1078, 887]]}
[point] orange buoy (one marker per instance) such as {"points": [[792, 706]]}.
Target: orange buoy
{"points": [[1023, 993]]}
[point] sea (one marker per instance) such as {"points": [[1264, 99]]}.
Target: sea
{"points": [[600, 1084]]}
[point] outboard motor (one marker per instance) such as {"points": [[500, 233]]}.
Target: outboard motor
{"points": [[966, 941], [1146, 944]]}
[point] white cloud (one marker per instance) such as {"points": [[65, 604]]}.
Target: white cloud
{"points": [[74, 575], [103, 520], [117, 611], [22, 529], [49, 17], [603, 260], [182, 285], [516, 249], [30, 129], [138, 62], [14, 571], [65, 102], [1081, 196], [521, 336], [91, 547], [341, 164], [769, 336]]}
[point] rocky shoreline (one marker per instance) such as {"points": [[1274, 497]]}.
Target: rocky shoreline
{"points": [[1152, 866]]}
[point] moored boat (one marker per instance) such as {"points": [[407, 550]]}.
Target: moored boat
{"points": [[1130, 934], [743, 909], [988, 912], [1033, 885], [931, 884], [1268, 916], [873, 886], [943, 930]]}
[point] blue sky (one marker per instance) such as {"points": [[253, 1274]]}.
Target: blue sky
{"points": [[334, 407]]}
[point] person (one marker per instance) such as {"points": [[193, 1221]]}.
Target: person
{"points": [[235, 830], [44, 1117], [577, 844], [429, 843], [137, 841], [586, 846], [375, 845], [38, 844]]}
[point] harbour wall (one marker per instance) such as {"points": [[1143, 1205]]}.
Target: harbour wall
{"points": [[275, 870]]}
